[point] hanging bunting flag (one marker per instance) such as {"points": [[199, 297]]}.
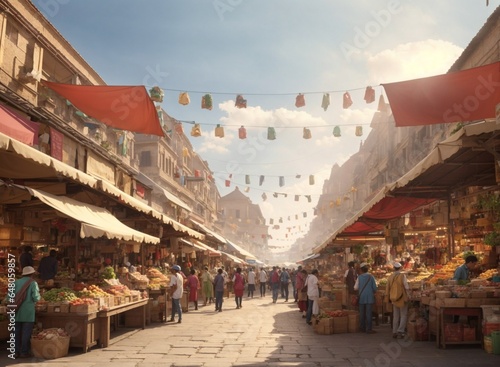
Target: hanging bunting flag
{"points": [[336, 132], [264, 196], [296, 197], [326, 101], [308, 198], [296, 216], [359, 130], [196, 130], [228, 183], [156, 94], [281, 220], [381, 104], [219, 131], [298, 176], [275, 194], [247, 189], [184, 98], [282, 181], [242, 132], [261, 180], [206, 102], [247, 179], [271, 221], [271, 133], [300, 100], [346, 101], [288, 218], [240, 101], [178, 128], [285, 195], [311, 180], [369, 95], [306, 133]]}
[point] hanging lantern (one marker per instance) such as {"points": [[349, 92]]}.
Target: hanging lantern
{"points": [[359, 130], [336, 132], [242, 132], [156, 94], [300, 100], [240, 101], [346, 100], [206, 102], [219, 131], [196, 130], [306, 134], [184, 98], [271, 133]]}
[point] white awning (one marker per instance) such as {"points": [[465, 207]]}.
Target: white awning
{"points": [[236, 259], [95, 222], [209, 232], [170, 197], [243, 252]]}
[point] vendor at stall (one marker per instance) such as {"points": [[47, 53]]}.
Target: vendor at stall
{"points": [[48, 266], [463, 271]]}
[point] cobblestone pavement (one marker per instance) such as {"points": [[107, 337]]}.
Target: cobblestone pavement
{"points": [[259, 334]]}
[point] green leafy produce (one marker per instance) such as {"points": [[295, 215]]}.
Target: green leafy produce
{"points": [[108, 273], [59, 295]]}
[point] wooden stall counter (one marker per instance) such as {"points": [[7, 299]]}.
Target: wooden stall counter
{"points": [[82, 328], [137, 310]]}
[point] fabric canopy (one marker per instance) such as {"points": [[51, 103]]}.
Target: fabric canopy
{"points": [[95, 222], [466, 95], [236, 259], [218, 237], [243, 252], [169, 196], [18, 127], [123, 107]]}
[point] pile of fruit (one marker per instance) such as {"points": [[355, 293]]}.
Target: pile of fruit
{"points": [[488, 274], [59, 295], [92, 291], [118, 290], [108, 273], [157, 279], [330, 314], [49, 334]]}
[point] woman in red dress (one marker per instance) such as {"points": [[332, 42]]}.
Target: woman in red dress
{"points": [[238, 287], [193, 284]]}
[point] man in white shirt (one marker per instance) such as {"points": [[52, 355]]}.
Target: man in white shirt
{"points": [[251, 282], [176, 290], [263, 282]]}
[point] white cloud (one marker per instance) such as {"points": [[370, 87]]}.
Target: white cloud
{"points": [[412, 60]]}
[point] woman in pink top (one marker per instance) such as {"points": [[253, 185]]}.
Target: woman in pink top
{"points": [[194, 284]]}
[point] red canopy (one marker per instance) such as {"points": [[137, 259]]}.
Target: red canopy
{"points": [[466, 95], [18, 127], [122, 107], [375, 218]]}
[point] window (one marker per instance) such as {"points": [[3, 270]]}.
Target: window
{"points": [[145, 159], [12, 33]]}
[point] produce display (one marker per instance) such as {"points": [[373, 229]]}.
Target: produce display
{"points": [[59, 295], [336, 313], [157, 279], [92, 291], [108, 273], [50, 334], [83, 301]]}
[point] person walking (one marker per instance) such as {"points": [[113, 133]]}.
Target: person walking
{"points": [[263, 282], [26, 295], [176, 290], [193, 284], [312, 284], [293, 281], [26, 258], [367, 288], [397, 292], [275, 283], [251, 282], [285, 281], [219, 290], [350, 277], [207, 285], [301, 295], [238, 287]]}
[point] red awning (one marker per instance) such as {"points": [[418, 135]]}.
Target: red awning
{"points": [[123, 107], [18, 127], [466, 95]]}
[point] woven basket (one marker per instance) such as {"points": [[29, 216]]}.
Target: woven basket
{"points": [[50, 349]]}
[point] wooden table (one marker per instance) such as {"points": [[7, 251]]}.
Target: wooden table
{"points": [[82, 329], [458, 311], [105, 318]]}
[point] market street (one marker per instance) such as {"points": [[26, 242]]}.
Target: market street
{"points": [[259, 334]]}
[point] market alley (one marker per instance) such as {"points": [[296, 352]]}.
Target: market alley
{"points": [[259, 334]]}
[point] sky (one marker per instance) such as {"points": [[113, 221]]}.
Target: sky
{"points": [[269, 51]]}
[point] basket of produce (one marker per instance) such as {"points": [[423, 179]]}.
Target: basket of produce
{"points": [[50, 343]]}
